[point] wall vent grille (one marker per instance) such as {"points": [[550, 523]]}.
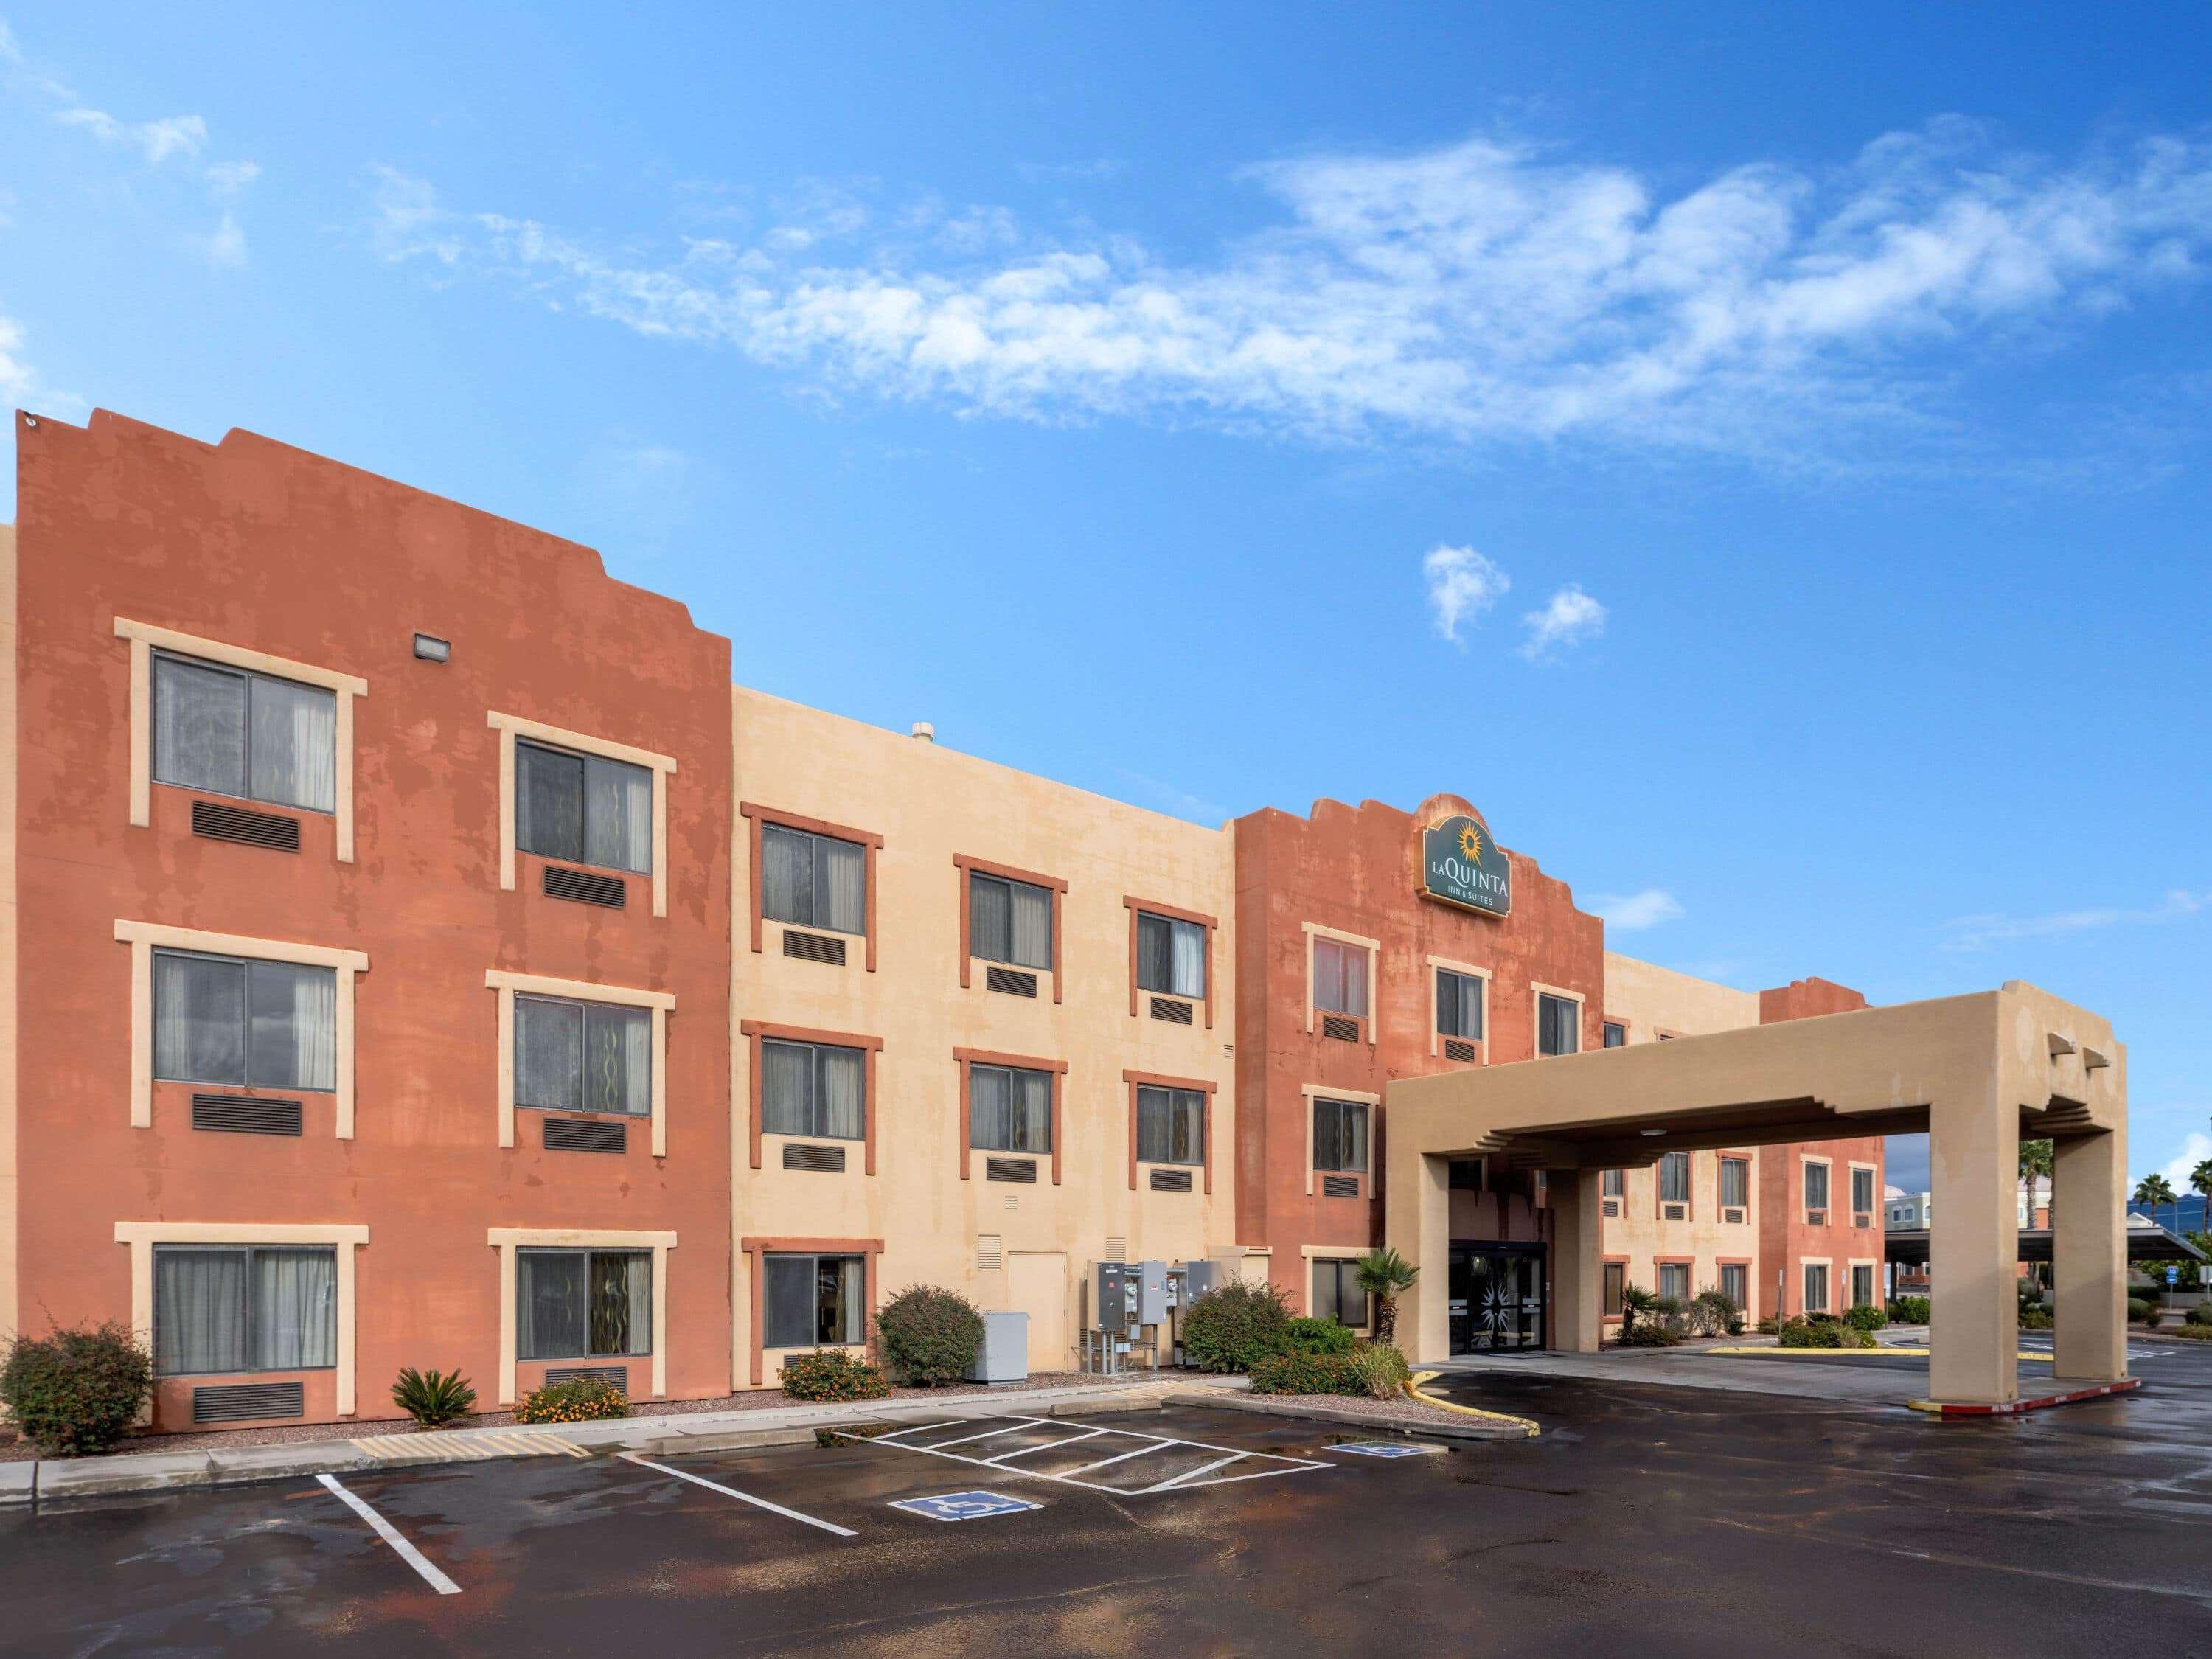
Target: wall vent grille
{"points": [[618, 1374], [806, 1155], [1612, 1206], [1006, 979], [814, 947], [219, 823], [1170, 1181], [1863, 1219], [245, 1115], [1340, 1186], [239, 1402], [1675, 1212], [1734, 1215], [1011, 1168], [1167, 1008], [1457, 1048], [1117, 1249], [1341, 1029], [585, 1135], [990, 1252], [1816, 1218], [585, 888]]}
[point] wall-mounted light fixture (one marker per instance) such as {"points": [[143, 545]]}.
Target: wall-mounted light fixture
{"points": [[431, 648]]}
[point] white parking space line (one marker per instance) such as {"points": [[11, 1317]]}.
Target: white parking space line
{"points": [[1149, 1443], [1118, 1457], [987, 1434], [390, 1534], [743, 1498], [1048, 1445], [918, 1427], [1203, 1468]]}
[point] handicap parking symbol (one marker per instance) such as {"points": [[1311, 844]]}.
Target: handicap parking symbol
{"points": [[964, 1505], [1385, 1448]]}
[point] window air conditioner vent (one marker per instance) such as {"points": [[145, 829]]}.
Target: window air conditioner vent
{"points": [[1816, 1218], [618, 1374], [1675, 1212], [826, 1160], [242, 1402], [245, 1115], [585, 888], [1340, 1186], [585, 1135], [1454, 1048], [814, 947], [1167, 1008], [1011, 1168], [219, 823], [1734, 1216], [1006, 979], [1339, 1027], [1170, 1181], [1612, 1206]]}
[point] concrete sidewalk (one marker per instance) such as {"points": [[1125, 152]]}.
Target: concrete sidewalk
{"points": [[47, 1479]]}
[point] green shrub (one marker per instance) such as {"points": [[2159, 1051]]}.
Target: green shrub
{"points": [[833, 1374], [74, 1392], [1377, 1370], [580, 1400], [2199, 1314], [434, 1399], [1813, 1333], [1323, 1336], [1712, 1312], [928, 1335], [1651, 1333], [2035, 1319], [1234, 1327], [1908, 1309], [1866, 1317], [1769, 1326], [1303, 1373], [2139, 1311]]}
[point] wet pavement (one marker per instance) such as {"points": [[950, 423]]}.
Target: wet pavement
{"points": [[1653, 1520]]}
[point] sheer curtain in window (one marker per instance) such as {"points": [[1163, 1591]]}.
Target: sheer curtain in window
{"points": [[294, 750], [841, 875], [617, 1059], [787, 876], [637, 1288], [617, 814], [549, 1304], [294, 1015], [1032, 926], [200, 727], [1189, 960], [787, 1089], [199, 1311], [199, 1019], [842, 1110], [1036, 1111], [852, 1300], [295, 1309], [990, 1102], [990, 926]]}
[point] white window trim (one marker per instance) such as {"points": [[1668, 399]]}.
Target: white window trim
{"points": [[1435, 1037], [1851, 1265], [142, 1236], [145, 638], [1805, 1160], [1875, 1209], [1314, 1092], [507, 1240], [142, 936], [1827, 1265], [1537, 991], [660, 1002], [1313, 931], [663, 766]]}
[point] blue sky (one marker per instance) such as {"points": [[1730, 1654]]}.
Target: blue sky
{"points": [[1759, 460]]}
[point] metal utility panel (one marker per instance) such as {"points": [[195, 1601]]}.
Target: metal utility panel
{"points": [[1199, 1278], [1005, 1355], [1114, 1296], [1151, 1293]]}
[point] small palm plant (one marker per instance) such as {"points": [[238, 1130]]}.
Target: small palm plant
{"points": [[1634, 1300], [434, 1399], [1386, 1276]]}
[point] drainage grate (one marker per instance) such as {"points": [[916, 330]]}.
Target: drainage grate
{"points": [[220, 823], [1006, 979], [1337, 1026], [1170, 1181], [245, 1115], [990, 1252], [800, 1155], [1456, 1049], [1010, 1169], [585, 888], [1175, 1013], [618, 1374], [239, 1402], [1340, 1186], [814, 947], [585, 1135]]}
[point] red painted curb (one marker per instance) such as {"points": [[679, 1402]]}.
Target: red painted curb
{"points": [[2014, 1407]]}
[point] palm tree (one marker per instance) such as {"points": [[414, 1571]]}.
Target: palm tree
{"points": [[1634, 1300], [2038, 1161], [2154, 1190], [2200, 1182], [1386, 1276]]}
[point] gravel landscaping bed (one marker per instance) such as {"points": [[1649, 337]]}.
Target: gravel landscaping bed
{"points": [[1352, 1409]]}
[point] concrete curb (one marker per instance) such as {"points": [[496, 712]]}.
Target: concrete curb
{"points": [[1272, 1407], [36, 1482], [2041, 1402]]}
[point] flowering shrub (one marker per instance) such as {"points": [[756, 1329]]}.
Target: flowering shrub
{"points": [[580, 1400], [832, 1374]]}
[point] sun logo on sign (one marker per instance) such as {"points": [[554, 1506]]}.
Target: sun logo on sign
{"points": [[1470, 843]]}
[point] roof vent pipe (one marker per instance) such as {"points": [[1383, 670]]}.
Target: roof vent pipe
{"points": [[925, 731]]}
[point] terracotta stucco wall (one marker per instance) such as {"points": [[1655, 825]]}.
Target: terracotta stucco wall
{"points": [[1786, 1241], [254, 545], [929, 804]]}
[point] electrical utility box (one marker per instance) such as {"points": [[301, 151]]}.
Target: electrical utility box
{"points": [[1114, 1296], [1151, 1293], [1199, 1278], [1004, 1355]]}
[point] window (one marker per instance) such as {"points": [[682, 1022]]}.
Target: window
{"points": [[582, 1305], [1459, 1004], [244, 1308], [583, 808], [1735, 1284], [1009, 922], [1340, 977], [1862, 1192], [1816, 1186], [1862, 1283], [582, 1056], [1170, 1125], [1558, 1025], [1675, 1281], [813, 1300], [1009, 1110], [1613, 1183], [1816, 1287], [1674, 1177], [253, 1024], [1616, 1035], [814, 1089], [232, 732], [1735, 1183], [1615, 1277], [1170, 956], [1340, 1136], [1337, 1294], [813, 881]]}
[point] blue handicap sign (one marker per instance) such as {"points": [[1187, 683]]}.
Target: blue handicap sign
{"points": [[1385, 1448], [964, 1505], [2173, 1275]]}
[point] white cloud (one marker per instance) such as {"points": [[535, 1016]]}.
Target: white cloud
{"points": [[1979, 932], [1571, 617], [175, 135], [1462, 585], [1178, 802], [229, 178], [1631, 913], [2194, 1150], [1482, 292]]}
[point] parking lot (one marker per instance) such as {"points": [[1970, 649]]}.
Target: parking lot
{"points": [[1662, 1520]]}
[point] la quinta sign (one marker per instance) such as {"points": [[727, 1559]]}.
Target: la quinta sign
{"points": [[1461, 865]]}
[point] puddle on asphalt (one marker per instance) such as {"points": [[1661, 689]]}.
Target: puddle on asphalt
{"points": [[846, 1433]]}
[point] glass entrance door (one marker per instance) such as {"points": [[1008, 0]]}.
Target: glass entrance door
{"points": [[1497, 1298]]}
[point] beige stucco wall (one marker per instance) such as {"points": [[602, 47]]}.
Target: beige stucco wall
{"points": [[929, 804], [1648, 998]]}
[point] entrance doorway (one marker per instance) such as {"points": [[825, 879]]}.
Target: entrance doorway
{"points": [[1497, 1293]]}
